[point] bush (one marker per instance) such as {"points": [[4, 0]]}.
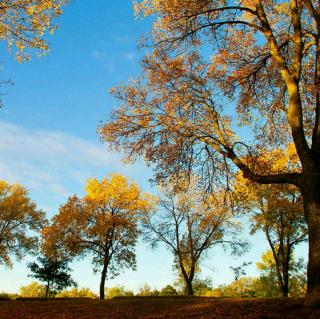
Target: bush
{"points": [[5, 296], [76, 293], [118, 291], [168, 291], [33, 290]]}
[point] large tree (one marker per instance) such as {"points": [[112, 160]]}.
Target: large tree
{"points": [[102, 224], [20, 223], [189, 226], [217, 65], [23, 24]]}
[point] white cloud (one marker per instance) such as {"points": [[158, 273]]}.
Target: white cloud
{"points": [[54, 165], [129, 56]]}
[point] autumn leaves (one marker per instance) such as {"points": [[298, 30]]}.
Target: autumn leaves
{"points": [[24, 22], [102, 224]]}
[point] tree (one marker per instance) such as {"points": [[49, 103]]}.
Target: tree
{"points": [[201, 83], [168, 290], [201, 287], [269, 278], [33, 290], [118, 291], [242, 288], [24, 22], [54, 272], [146, 290], [189, 226], [76, 293], [20, 221], [103, 223], [277, 211]]}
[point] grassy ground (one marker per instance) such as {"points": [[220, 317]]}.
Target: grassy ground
{"points": [[164, 307]]}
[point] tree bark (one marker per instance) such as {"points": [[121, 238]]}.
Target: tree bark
{"points": [[285, 287], [189, 287], [285, 290], [103, 280], [311, 201], [47, 289]]}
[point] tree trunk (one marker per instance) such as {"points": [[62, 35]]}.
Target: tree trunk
{"points": [[103, 280], [285, 290], [311, 201], [286, 273], [189, 287], [47, 289]]}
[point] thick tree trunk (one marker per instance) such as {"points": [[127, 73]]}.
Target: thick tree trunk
{"points": [[311, 201], [285, 291], [189, 288], [103, 280]]}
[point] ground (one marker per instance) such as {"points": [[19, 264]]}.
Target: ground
{"points": [[164, 307]]}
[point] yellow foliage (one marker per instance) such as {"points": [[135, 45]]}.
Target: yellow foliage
{"points": [[24, 22], [103, 223], [76, 293], [19, 222], [33, 290]]}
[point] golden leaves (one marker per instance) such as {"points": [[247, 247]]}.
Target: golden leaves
{"points": [[104, 218], [24, 22], [19, 220]]}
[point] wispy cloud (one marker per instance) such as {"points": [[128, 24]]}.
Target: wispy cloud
{"points": [[104, 59], [54, 165], [130, 56]]}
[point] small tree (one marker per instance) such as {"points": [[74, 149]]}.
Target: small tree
{"points": [[269, 278], [146, 290], [76, 293], [189, 226], [168, 290], [55, 273], [103, 224], [20, 222], [118, 291], [277, 211]]}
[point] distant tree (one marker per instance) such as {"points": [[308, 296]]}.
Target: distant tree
{"points": [[269, 282], [20, 222], [244, 287], [168, 291], [103, 223], [277, 211], [118, 291], [202, 287], [189, 225], [145, 290], [76, 293], [33, 290], [55, 273], [24, 22]]}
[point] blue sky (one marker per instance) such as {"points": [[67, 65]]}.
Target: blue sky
{"points": [[48, 139]]}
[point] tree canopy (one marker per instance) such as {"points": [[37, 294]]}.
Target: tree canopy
{"points": [[54, 272], [189, 226], [102, 224], [20, 223], [209, 104], [23, 24]]}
